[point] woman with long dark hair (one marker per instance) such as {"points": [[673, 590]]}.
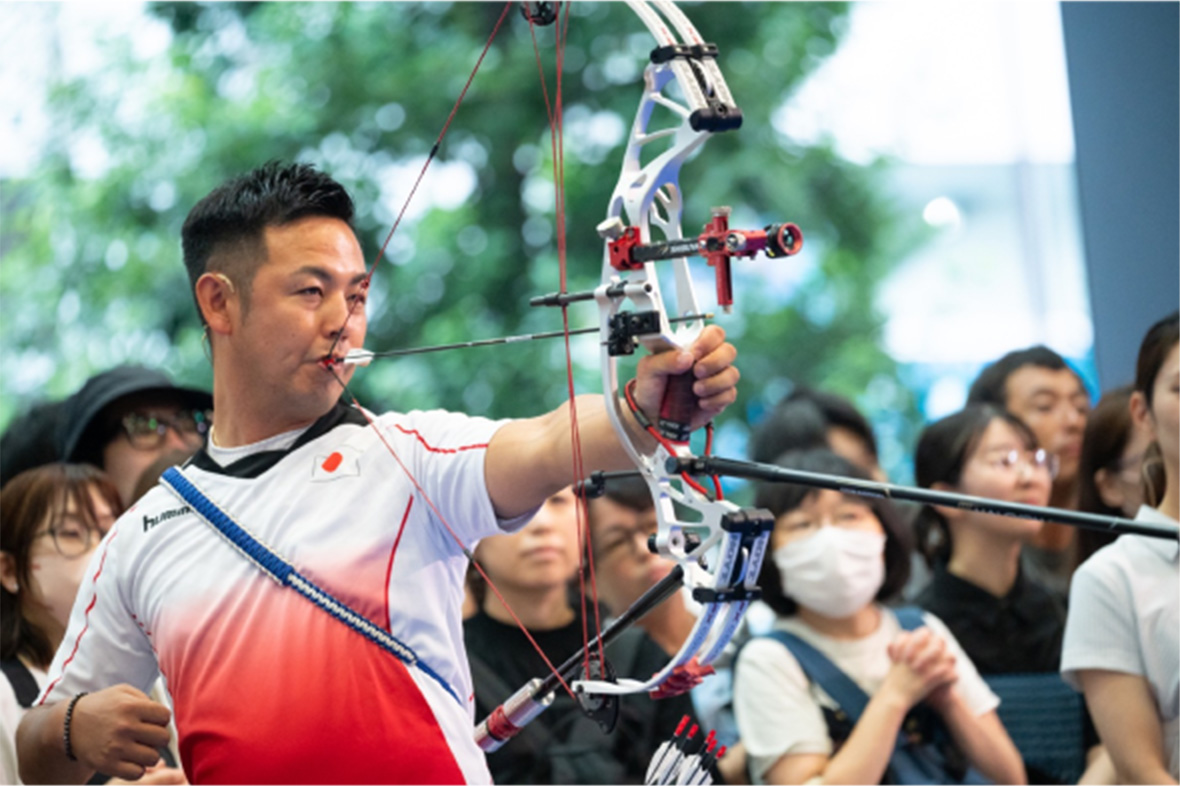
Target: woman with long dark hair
{"points": [[1112, 476], [1122, 638], [52, 520], [1004, 619]]}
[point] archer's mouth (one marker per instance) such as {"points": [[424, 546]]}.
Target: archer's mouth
{"points": [[331, 362]]}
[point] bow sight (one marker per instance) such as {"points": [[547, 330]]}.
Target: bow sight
{"points": [[717, 244]]}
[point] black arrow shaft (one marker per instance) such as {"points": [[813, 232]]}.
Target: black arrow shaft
{"points": [[488, 342]]}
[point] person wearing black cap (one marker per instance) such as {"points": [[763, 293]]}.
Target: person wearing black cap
{"points": [[124, 419], [30, 440]]}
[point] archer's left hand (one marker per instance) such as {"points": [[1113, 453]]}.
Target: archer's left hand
{"points": [[709, 360]]}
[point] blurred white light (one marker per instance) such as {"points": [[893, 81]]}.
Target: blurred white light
{"points": [[997, 91], [943, 213], [945, 396]]}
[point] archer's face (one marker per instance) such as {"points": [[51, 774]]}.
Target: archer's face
{"points": [[300, 303]]}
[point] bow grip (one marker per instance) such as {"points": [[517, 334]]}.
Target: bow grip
{"points": [[677, 407]]}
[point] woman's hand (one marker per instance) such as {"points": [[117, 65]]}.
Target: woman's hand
{"points": [[922, 667]]}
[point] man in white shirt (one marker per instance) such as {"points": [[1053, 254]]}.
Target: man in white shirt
{"points": [[265, 685]]}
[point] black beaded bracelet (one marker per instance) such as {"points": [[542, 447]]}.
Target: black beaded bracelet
{"points": [[65, 734]]}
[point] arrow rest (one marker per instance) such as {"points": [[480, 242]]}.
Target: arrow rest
{"points": [[601, 708]]}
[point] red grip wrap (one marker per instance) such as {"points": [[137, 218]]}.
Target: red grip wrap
{"points": [[677, 407], [499, 727]]}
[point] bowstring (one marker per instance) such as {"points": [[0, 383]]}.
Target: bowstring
{"points": [[422, 172], [555, 114], [458, 541]]}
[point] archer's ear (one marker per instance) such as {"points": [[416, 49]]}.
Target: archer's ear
{"points": [[948, 513], [218, 301], [8, 577]]}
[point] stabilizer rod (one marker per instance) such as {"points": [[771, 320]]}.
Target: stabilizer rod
{"points": [[869, 488]]}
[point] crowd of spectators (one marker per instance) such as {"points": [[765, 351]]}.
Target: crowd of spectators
{"points": [[939, 620]]}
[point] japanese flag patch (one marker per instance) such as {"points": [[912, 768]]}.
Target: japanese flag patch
{"points": [[340, 463]]}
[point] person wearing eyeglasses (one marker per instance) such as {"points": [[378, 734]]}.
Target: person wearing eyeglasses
{"points": [[620, 523], [51, 521], [1005, 620], [1038, 386], [124, 419]]}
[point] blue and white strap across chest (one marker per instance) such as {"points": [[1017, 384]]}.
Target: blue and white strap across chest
{"points": [[286, 575]]}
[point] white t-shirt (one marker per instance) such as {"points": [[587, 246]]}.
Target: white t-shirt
{"points": [[779, 711], [266, 686], [10, 716], [1124, 615]]}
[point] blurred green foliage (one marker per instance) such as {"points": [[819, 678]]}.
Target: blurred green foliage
{"points": [[91, 273]]}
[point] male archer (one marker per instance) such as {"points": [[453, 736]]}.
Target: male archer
{"points": [[267, 686]]}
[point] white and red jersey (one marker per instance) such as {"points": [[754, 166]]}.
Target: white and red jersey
{"points": [[267, 687]]}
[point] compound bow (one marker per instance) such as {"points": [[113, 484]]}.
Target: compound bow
{"points": [[718, 547]]}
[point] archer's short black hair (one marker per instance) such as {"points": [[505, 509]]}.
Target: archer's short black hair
{"points": [[780, 498], [234, 215], [990, 387]]}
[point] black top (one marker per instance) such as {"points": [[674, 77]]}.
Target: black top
{"points": [[569, 747], [1019, 632]]}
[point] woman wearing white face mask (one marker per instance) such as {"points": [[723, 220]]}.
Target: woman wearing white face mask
{"points": [[52, 520], [833, 559]]}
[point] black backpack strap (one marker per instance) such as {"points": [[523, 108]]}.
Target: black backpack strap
{"points": [[24, 685]]}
